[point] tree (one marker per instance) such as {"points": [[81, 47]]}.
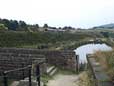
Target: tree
{"points": [[19, 25], [60, 28], [45, 26], [36, 25], [6, 22], [2, 27], [105, 34], [22, 24], [13, 25]]}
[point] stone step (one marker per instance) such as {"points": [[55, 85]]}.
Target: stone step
{"points": [[50, 69], [53, 72]]}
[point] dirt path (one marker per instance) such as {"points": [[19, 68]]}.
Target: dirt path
{"points": [[63, 80]]}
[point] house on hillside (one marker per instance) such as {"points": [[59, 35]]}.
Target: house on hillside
{"points": [[54, 30]]}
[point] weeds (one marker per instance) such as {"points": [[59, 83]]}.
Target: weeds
{"points": [[86, 79], [106, 60]]}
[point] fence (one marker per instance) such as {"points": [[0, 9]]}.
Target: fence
{"points": [[27, 68]]}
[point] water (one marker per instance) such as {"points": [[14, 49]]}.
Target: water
{"points": [[82, 51]]}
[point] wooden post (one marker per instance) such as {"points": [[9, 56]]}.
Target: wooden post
{"points": [[30, 84], [38, 74], [77, 63], [5, 79]]}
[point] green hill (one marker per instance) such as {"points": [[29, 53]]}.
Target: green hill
{"points": [[106, 26]]}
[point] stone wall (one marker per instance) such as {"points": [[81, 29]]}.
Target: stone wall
{"points": [[11, 58], [11, 61]]}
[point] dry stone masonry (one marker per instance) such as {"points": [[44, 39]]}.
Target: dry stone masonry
{"points": [[11, 58]]}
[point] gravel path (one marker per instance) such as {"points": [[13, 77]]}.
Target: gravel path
{"points": [[63, 80]]}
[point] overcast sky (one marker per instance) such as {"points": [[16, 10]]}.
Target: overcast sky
{"points": [[76, 13]]}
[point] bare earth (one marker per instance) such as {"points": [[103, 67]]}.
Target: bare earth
{"points": [[64, 80]]}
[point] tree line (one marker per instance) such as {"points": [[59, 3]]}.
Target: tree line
{"points": [[15, 25]]}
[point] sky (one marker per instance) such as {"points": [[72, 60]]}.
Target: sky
{"points": [[59, 13]]}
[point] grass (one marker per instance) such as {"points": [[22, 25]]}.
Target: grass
{"points": [[106, 60], [29, 46], [27, 39], [65, 71], [85, 79], [9, 82], [45, 78]]}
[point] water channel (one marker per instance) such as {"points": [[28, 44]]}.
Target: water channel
{"points": [[83, 50]]}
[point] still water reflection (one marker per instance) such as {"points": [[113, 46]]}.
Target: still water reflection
{"points": [[82, 51]]}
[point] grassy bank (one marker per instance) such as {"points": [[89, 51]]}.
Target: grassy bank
{"points": [[85, 79], [33, 39], [106, 60], [45, 78]]}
